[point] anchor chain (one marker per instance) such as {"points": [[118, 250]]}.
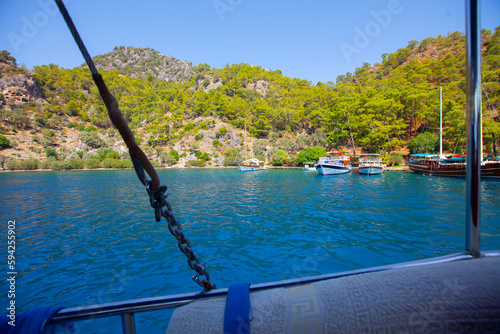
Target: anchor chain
{"points": [[157, 194], [158, 200]]}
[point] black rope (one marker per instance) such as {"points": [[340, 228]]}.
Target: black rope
{"points": [[76, 36]]}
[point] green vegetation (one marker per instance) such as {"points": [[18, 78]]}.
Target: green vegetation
{"points": [[4, 142], [311, 154], [424, 143], [51, 152], [395, 159], [380, 108], [91, 139]]}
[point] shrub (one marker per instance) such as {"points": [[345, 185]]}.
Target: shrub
{"points": [[216, 143], [222, 131], [230, 161], [195, 163], [188, 127], [202, 156], [426, 142], [29, 164], [72, 108], [12, 164], [107, 153], [73, 155], [51, 152], [114, 163], [311, 154], [92, 163], [55, 122], [287, 145], [60, 165], [199, 136], [19, 119], [4, 142], [395, 159], [47, 163], [175, 154], [75, 163], [278, 158], [203, 125], [90, 128], [170, 160], [48, 138], [91, 139]]}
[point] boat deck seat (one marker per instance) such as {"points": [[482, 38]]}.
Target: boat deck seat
{"points": [[453, 297]]}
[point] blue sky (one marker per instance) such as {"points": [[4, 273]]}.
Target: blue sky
{"points": [[312, 40]]}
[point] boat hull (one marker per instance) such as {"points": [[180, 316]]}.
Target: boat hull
{"points": [[331, 169], [370, 170], [244, 168], [488, 170]]}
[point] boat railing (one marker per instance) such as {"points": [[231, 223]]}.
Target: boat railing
{"points": [[127, 309]]}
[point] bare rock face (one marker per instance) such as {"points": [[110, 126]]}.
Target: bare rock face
{"points": [[142, 62], [19, 89]]}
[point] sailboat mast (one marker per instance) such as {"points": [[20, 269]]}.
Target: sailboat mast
{"points": [[440, 122]]}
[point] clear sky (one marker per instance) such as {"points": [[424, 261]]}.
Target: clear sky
{"points": [[316, 40]]}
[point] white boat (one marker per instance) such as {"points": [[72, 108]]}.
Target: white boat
{"points": [[251, 165], [308, 168], [335, 163], [370, 164]]}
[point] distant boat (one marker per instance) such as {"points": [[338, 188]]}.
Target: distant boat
{"points": [[251, 165], [308, 168], [335, 163], [370, 164]]}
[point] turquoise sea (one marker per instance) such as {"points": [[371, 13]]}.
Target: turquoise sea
{"points": [[88, 237]]}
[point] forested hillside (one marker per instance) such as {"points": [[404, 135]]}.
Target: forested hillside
{"points": [[209, 115]]}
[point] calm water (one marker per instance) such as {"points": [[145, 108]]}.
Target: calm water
{"points": [[87, 237]]}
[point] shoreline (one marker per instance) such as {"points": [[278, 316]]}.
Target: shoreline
{"points": [[387, 169]]}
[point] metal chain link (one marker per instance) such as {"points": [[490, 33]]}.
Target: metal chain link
{"points": [[158, 200]]}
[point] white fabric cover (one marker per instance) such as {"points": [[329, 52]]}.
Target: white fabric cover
{"points": [[454, 297]]}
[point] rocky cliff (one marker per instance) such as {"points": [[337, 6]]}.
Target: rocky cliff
{"points": [[144, 61]]}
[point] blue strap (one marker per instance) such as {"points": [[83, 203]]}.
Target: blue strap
{"points": [[237, 313], [28, 322]]}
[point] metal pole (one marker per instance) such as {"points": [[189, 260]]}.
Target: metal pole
{"points": [[473, 59], [128, 323], [440, 122]]}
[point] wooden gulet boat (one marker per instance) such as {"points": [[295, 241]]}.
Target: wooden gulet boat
{"points": [[455, 165], [452, 166]]}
